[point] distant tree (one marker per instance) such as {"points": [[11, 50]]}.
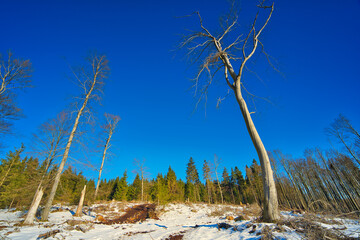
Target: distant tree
{"points": [[240, 183], [15, 74], [121, 188], [141, 171], [134, 190], [192, 180], [109, 128], [172, 185], [216, 165], [225, 187], [343, 131], [114, 185], [159, 191], [192, 174], [216, 52], [91, 80], [207, 179]]}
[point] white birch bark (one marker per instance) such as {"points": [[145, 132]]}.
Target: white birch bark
{"points": [[29, 220], [81, 203]]}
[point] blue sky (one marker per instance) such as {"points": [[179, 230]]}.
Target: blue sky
{"points": [[316, 44]]}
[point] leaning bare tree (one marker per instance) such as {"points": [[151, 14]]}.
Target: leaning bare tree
{"points": [[91, 80], [14, 74], [214, 53], [47, 145], [109, 128]]}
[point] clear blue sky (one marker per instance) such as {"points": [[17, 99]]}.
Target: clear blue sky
{"points": [[315, 42]]}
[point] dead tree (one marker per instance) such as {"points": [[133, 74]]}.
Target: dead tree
{"points": [[48, 144], [213, 53], [141, 170], [91, 82], [14, 74], [343, 131], [216, 166], [109, 128], [81, 203]]}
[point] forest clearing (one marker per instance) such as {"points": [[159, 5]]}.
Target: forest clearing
{"points": [[173, 120], [175, 222]]}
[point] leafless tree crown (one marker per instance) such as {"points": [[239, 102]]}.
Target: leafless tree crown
{"points": [[215, 52]]}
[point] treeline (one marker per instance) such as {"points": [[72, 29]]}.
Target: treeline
{"points": [[319, 181], [20, 177], [322, 180]]}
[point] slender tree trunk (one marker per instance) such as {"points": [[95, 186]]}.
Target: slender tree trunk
{"points": [[142, 187], [29, 220], [217, 179], [46, 211], [81, 203], [102, 165], [271, 209]]}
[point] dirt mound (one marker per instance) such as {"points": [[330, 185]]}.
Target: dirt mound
{"points": [[135, 214]]}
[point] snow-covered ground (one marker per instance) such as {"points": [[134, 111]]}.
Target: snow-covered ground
{"points": [[193, 221]]}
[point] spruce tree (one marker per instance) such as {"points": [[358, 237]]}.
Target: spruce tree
{"points": [[192, 180], [122, 188], [172, 185]]}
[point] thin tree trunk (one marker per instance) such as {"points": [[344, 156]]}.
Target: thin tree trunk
{"points": [[271, 209], [46, 211], [29, 220], [81, 203], [142, 187], [217, 179], [102, 165]]}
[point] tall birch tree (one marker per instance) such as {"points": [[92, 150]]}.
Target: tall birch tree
{"points": [[213, 53], [91, 80], [109, 128]]}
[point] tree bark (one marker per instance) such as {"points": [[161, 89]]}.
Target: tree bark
{"points": [[29, 220], [271, 209], [81, 203]]}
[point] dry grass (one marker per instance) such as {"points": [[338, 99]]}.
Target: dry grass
{"points": [[309, 226], [222, 210]]}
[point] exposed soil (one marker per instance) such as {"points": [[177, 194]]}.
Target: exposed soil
{"points": [[135, 214], [176, 236]]}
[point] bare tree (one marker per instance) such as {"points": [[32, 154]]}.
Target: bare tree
{"points": [[14, 74], [141, 170], [213, 54], [47, 144], [91, 82], [109, 128], [342, 129], [216, 166]]}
